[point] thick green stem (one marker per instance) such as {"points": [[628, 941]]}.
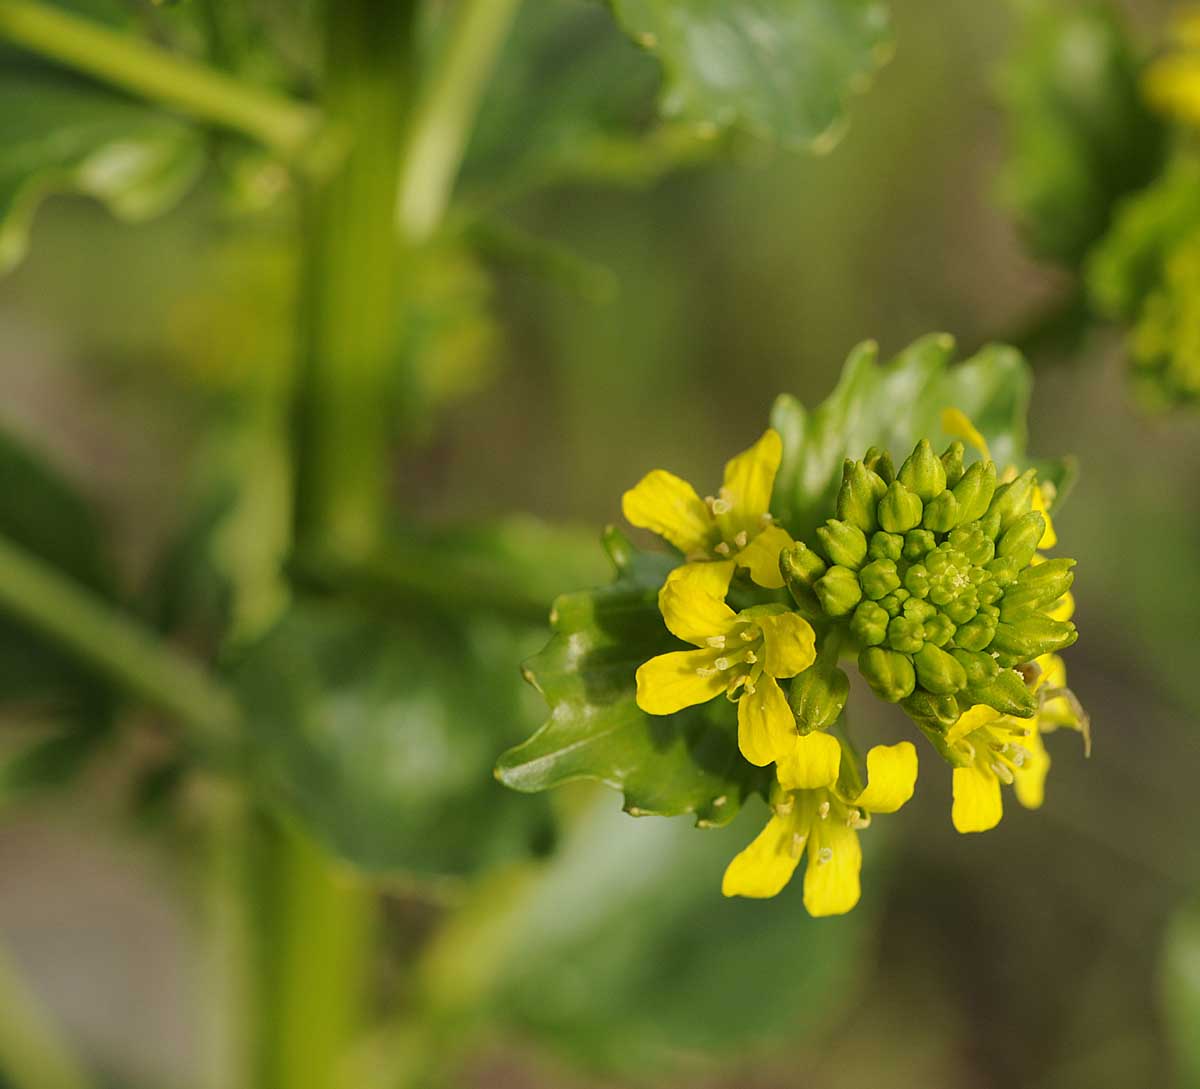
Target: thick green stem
{"points": [[443, 116], [123, 61], [354, 281], [33, 1054], [116, 646]]}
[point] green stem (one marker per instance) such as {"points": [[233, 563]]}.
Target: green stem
{"points": [[443, 117], [287, 127], [116, 646], [33, 1054]]}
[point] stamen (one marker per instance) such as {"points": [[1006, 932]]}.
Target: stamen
{"points": [[767, 518], [784, 807], [750, 689], [721, 664], [751, 634], [825, 854], [722, 549], [716, 641], [706, 671], [823, 809], [751, 657], [798, 844], [740, 540], [1002, 773], [720, 506]]}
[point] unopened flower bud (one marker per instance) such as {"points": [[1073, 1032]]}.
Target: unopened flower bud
{"points": [[939, 711], [980, 668], [899, 510], [801, 567], [1020, 541], [976, 633], [941, 513], [886, 546], [844, 543], [879, 578], [1013, 499], [888, 672], [859, 495], [905, 635], [975, 490], [938, 671], [923, 473], [952, 461], [1037, 588], [817, 697], [1024, 640], [869, 623], [838, 591], [880, 462], [918, 543], [1006, 692], [916, 580], [939, 629]]}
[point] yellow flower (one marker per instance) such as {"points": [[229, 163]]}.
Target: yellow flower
{"points": [[1172, 83], [827, 823], [739, 654], [733, 528], [1003, 749]]}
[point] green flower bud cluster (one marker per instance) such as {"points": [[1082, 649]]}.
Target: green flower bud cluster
{"points": [[929, 573]]}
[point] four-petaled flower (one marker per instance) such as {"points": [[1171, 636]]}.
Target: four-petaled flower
{"points": [[734, 528], [826, 822], [739, 654]]}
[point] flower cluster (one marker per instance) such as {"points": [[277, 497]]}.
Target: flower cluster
{"points": [[930, 576]]}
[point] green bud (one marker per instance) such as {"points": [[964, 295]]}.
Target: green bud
{"points": [[886, 546], [869, 623], [1037, 588], [1006, 693], [939, 630], [916, 609], [938, 711], [859, 495], [843, 542], [1019, 542], [880, 462], [801, 567], [838, 591], [972, 542], [1024, 640], [890, 674], [923, 473], [899, 510], [1013, 499], [952, 461], [980, 668], [916, 580], [879, 578], [977, 633], [817, 697], [962, 609], [904, 635], [941, 513], [974, 492], [1004, 569], [892, 603], [918, 543], [938, 671]]}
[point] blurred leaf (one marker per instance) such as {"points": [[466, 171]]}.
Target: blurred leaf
{"points": [[621, 953], [41, 512], [63, 136], [1181, 994], [783, 69], [892, 405], [665, 765], [1080, 134], [1146, 271], [380, 734]]}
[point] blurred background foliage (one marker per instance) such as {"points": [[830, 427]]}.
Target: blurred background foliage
{"points": [[608, 292]]}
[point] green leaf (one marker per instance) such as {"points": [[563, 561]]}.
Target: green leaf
{"points": [[675, 972], [1181, 994], [783, 69], [1080, 134], [58, 135], [379, 733], [892, 405], [665, 765]]}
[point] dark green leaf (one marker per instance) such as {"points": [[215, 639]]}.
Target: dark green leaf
{"points": [[893, 405], [58, 135], [674, 971], [665, 765], [1181, 994], [380, 733], [783, 69], [1081, 135]]}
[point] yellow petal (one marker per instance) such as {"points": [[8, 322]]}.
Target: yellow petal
{"points": [[812, 761], [789, 644], [749, 479], [1049, 538], [671, 682], [766, 726], [761, 556], [970, 720], [764, 867], [1063, 608], [1029, 780], [977, 805], [669, 506], [958, 425], [692, 601], [891, 778], [831, 880]]}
